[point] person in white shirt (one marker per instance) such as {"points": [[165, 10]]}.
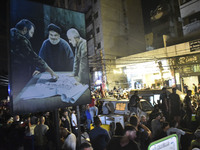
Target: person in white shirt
{"points": [[69, 139], [174, 130], [74, 123]]}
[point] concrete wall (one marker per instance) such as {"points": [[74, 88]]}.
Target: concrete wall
{"points": [[123, 29], [123, 33]]}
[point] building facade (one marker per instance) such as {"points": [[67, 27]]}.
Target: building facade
{"points": [[190, 16], [169, 66], [165, 23], [114, 29]]}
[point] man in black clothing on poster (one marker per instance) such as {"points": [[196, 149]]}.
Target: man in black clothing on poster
{"points": [[23, 57]]}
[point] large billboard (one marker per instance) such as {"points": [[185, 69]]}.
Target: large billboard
{"points": [[48, 57]]}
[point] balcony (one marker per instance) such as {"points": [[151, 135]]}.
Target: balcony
{"points": [[190, 8], [192, 27]]}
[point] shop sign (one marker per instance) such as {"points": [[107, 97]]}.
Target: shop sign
{"points": [[196, 68], [194, 45], [187, 70], [183, 60]]}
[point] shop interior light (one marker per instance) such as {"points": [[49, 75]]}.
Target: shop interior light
{"points": [[119, 71], [98, 82]]}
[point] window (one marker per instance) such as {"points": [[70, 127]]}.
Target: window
{"points": [[97, 30], [120, 106], [99, 45], [90, 34], [89, 20], [96, 15]]}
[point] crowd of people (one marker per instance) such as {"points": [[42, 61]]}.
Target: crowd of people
{"points": [[38, 131]]}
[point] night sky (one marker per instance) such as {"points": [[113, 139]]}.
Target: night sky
{"points": [[147, 6]]}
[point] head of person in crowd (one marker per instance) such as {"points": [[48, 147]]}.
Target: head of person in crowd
{"points": [[97, 121], [134, 120], [196, 148], [47, 114], [197, 134], [164, 90], [87, 107], [34, 120], [73, 111], [54, 33], [42, 120], [26, 28], [189, 92], [136, 93], [16, 118], [195, 145], [86, 146], [143, 119], [64, 132], [65, 113], [156, 108], [173, 124], [158, 116], [174, 90], [119, 129], [130, 132], [73, 36], [165, 126]]}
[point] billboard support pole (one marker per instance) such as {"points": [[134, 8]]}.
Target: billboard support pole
{"points": [[79, 127], [57, 127]]}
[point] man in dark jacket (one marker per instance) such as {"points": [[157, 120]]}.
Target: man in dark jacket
{"points": [[56, 51], [23, 58]]}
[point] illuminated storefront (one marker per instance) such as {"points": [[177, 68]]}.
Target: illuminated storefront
{"points": [[186, 69], [149, 75]]}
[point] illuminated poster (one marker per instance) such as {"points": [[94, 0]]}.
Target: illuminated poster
{"points": [[48, 57]]}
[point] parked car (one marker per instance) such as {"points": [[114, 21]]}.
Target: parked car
{"points": [[153, 95], [117, 110]]}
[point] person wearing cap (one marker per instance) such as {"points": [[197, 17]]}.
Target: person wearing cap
{"points": [[56, 51], [81, 67], [23, 57]]}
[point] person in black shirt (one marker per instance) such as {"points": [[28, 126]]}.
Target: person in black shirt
{"points": [[125, 142], [174, 106], [188, 108], [164, 105], [133, 102]]}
